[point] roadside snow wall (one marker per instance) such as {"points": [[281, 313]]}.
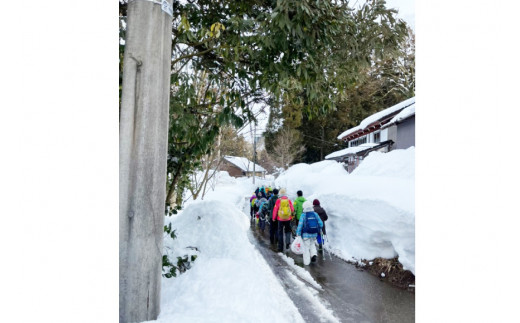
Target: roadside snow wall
{"points": [[229, 281], [371, 211]]}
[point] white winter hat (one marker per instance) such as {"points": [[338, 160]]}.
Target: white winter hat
{"points": [[307, 206]]}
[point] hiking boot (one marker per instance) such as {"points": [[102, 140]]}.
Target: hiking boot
{"points": [[313, 259], [320, 248]]}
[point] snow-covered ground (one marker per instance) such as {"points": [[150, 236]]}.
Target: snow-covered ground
{"points": [[229, 281], [371, 214]]}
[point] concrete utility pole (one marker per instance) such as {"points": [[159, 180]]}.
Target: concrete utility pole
{"points": [[143, 144]]}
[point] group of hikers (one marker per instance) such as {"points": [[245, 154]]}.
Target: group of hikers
{"points": [[286, 218]]}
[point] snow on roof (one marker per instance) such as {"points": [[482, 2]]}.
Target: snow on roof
{"points": [[377, 116], [244, 164], [351, 150], [406, 113]]}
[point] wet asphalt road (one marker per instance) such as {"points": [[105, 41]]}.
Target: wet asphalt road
{"points": [[352, 295]]}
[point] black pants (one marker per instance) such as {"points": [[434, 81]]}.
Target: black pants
{"points": [[254, 209], [294, 226], [273, 228], [284, 225]]}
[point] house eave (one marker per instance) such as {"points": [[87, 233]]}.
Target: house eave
{"points": [[364, 152]]}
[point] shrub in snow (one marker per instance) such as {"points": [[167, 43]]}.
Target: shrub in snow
{"points": [[182, 264]]}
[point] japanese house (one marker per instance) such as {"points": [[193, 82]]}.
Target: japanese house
{"points": [[241, 166], [386, 130]]}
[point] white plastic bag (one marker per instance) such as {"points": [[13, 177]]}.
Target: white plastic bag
{"points": [[297, 246]]}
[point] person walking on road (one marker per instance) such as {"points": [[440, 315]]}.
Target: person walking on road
{"points": [[273, 227], [252, 202], [262, 193], [282, 212], [298, 209], [323, 216], [309, 226], [262, 214]]}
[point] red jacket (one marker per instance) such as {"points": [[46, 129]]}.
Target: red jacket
{"points": [[277, 206]]}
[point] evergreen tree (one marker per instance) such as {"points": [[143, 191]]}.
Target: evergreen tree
{"points": [[371, 36]]}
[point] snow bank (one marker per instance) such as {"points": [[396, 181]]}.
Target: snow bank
{"points": [[229, 281], [371, 211], [222, 177], [398, 163]]}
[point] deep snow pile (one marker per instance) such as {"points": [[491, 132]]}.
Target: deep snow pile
{"points": [[398, 163], [229, 280], [371, 211]]}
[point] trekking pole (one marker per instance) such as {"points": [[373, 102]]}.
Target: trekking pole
{"points": [[324, 247], [322, 244]]}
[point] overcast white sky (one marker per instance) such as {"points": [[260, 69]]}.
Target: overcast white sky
{"points": [[406, 10]]}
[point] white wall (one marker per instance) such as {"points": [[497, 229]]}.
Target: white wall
{"points": [[384, 134]]}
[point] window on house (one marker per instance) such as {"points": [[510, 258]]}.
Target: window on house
{"points": [[358, 141], [377, 137]]}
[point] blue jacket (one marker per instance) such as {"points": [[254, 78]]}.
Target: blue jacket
{"points": [[300, 226]]}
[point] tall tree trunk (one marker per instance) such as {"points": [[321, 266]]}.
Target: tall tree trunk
{"points": [[171, 191], [143, 138], [322, 141]]}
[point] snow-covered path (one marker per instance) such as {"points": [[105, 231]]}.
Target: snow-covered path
{"points": [[304, 295], [332, 290], [237, 277]]}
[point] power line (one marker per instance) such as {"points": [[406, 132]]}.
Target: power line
{"points": [[329, 142]]}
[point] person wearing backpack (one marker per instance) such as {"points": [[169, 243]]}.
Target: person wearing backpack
{"points": [[323, 216], [257, 207], [309, 226], [252, 202], [273, 227], [298, 208], [282, 212], [262, 214], [262, 193]]}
